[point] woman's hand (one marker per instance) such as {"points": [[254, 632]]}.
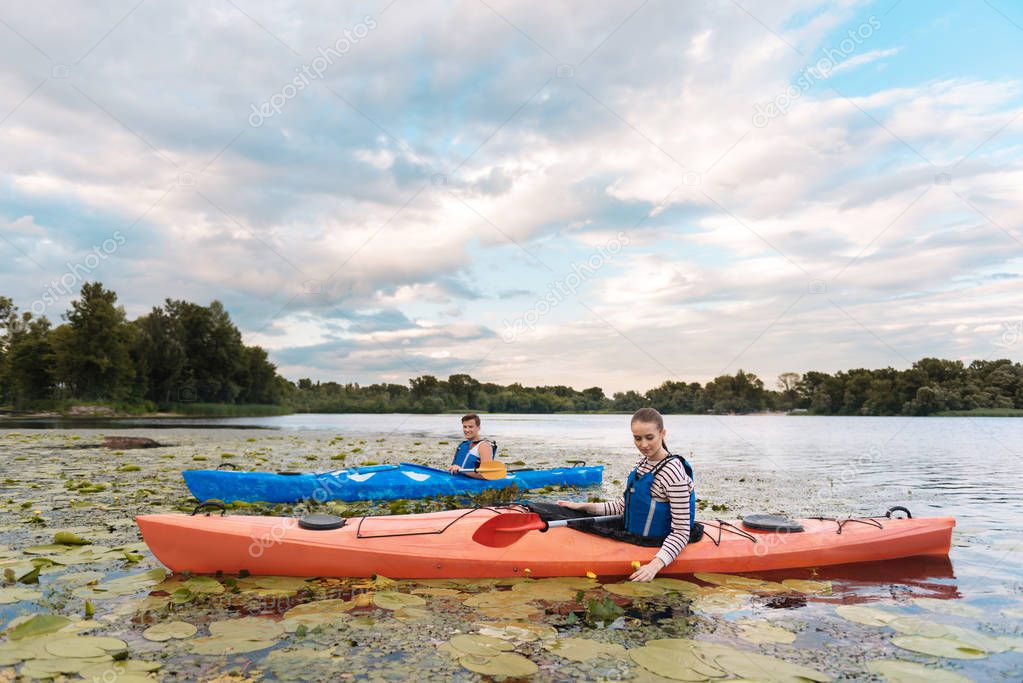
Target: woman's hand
{"points": [[454, 469], [581, 507], [648, 571]]}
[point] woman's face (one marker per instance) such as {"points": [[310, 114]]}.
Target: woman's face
{"points": [[647, 437], [470, 429]]}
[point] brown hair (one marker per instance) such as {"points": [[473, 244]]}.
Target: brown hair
{"points": [[474, 417], [648, 415], [651, 416]]}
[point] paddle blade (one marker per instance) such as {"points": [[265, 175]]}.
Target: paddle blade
{"points": [[492, 469], [502, 530]]}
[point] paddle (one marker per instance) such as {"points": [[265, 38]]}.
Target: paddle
{"points": [[504, 529], [489, 470]]}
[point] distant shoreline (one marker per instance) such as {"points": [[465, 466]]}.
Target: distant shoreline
{"points": [[87, 413]]}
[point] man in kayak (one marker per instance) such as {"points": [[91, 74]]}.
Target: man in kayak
{"points": [[659, 500], [474, 450]]}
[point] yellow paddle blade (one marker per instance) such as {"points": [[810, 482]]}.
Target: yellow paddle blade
{"points": [[492, 469]]}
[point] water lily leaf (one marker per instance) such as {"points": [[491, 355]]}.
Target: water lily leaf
{"points": [[914, 626], [808, 587], [251, 628], [395, 600], [77, 579], [517, 631], [861, 614], [720, 601], [939, 647], [583, 649], [9, 596], [677, 659], [678, 585], [38, 625], [761, 632], [953, 607], [899, 671], [412, 614], [172, 629], [498, 599], [475, 644], [80, 647], [576, 583], [977, 640], [203, 585], [317, 612], [736, 581], [507, 664], [69, 538], [226, 645], [544, 589], [763, 667], [632, 589], [51, 668], [127, 667], [280, 583]]}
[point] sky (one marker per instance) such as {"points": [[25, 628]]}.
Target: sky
{"points": [[606, 194]]}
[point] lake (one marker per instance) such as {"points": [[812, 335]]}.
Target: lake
{"points": [[968, 468]]}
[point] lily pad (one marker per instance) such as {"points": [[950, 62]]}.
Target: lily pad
{"points": [[170, 630], [505, 665], [225, 645], [677, 659], [808, 587], [438, 592], [632, 589], [38, 625], [899, 671], [475, 644], [678, 585], [939, 647], [758, 666], [869, 616], [518, 631], [952, 607], [583, 649], [69, 538], [9, 596], [545, 589], [761, 632], [203, 585], [82, 647], [395, 600]]}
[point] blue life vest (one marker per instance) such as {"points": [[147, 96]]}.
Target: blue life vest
{"points": [[468, 461], [645, 516]]}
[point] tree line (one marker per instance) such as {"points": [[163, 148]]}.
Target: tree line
{"points": [[177, 353], [183, 352]]}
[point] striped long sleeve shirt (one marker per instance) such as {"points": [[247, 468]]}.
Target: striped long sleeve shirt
{"points": [[671, 484]]}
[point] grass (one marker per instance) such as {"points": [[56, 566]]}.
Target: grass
{"points": [[983, 412]]}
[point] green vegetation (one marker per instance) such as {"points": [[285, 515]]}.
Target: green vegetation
{"points": [[181, 354], [190, 359]]}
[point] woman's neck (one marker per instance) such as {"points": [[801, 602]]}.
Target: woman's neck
{"points": [[660, 455]]}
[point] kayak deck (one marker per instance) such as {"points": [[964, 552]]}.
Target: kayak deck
{"points": [[374, 482], [440, 545]]}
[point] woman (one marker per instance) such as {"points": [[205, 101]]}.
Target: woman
{"points": [[659, 500]]}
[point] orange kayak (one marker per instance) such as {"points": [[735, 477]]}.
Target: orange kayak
{"points": [[441, 545]]}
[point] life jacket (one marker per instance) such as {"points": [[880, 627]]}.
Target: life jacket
{"points": [[470, 461], [651, 518]]}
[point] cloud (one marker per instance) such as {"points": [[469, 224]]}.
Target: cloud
{"points": [[444, 171]]}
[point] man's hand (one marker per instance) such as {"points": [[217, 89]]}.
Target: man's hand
{"points": [[648, 571]]}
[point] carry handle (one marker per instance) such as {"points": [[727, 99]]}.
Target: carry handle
{"points": [[215, 504], [898, 508]]}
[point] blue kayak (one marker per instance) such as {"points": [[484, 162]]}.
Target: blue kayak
{"points": [[376, 482]]}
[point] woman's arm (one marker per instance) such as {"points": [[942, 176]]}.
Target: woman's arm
{"points": [[676, 486]]}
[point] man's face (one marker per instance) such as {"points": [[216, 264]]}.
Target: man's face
{"points": [[470, 429]]}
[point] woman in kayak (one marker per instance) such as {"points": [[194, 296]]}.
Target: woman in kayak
{"points": [[659, 499], [474, 450]]}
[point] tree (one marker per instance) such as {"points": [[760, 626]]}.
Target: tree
{"points": [[92, 356]]}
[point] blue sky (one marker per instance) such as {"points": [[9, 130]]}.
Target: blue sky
{"points": [[527, 192]]}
